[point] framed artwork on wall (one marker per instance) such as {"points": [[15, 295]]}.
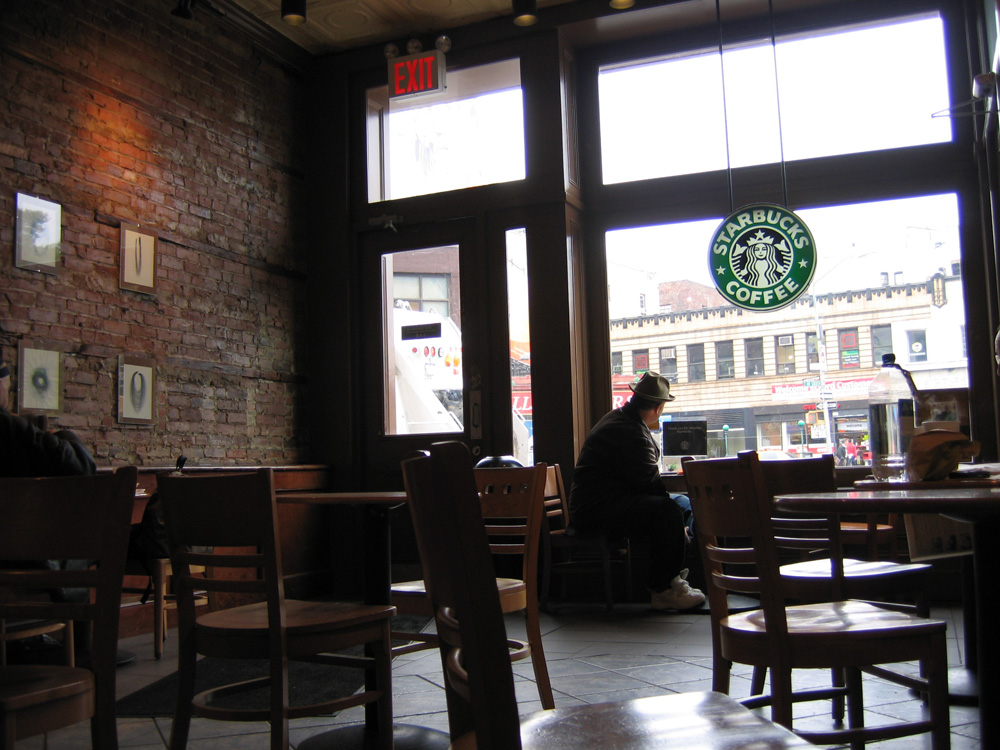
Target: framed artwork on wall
{"points": [[39, 234], [39, 378], [138, 259], [136, 386]]}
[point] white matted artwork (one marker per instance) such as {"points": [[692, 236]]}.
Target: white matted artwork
{"points": [[39, 378], [39, 234], [138, 259], [136, 381]]}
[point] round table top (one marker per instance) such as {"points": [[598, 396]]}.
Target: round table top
{"points": [[971, 503]]}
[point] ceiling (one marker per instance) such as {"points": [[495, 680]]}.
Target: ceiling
{"points": [[337, 25]]}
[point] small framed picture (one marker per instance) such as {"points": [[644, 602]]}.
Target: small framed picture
{"points": [[136, 386], [39, 234], [39, 378], [138, 259]]}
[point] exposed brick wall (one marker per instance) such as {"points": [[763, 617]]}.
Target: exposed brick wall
{"points": [[121, 112]]}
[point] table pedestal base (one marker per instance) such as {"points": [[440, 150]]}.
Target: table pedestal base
{"points": [[352, 736], [963, 688]]}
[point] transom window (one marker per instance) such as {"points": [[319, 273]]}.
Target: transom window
{"points": [[705, 116], [471, 134]]}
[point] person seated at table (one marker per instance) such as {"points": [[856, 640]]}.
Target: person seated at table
{"points": [[26, 451], [617, 491]]}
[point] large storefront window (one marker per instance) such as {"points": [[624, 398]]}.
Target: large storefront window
{"points": [[471, 134], [833, 89], [791, 381], [872, 292]]}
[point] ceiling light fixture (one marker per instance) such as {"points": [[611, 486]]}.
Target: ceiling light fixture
{"points": [[293, 12], [183, 9], [622, 4], [525, 12]]}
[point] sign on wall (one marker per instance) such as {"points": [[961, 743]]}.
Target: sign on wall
{"points": [[416, 75], [762, 257]]}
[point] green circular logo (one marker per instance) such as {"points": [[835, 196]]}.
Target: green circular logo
{"points": [[762, 257]]}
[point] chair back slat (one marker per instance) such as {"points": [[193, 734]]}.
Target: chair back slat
{"points": [[235, 515], [458, 573], [86, 522], [807, 537], [555, 503], [733, 515], [512, 499], [66, 518]]}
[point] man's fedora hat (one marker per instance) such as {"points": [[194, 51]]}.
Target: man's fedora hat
{"points": [[653, 386]]}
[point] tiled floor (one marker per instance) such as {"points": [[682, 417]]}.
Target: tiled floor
{"points": [[592, 655]]}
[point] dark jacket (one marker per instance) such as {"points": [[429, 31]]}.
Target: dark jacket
{"points": [[26, 451], [619, 461]]}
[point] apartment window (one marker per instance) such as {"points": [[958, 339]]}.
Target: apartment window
{"points": [[881, 343], [917, 341], [754, 349], [784, 354], [850, 356], [616, 363], [423, 292], [725, 367], [668, 363], [640, 361], [696, 363], [812, 351]]}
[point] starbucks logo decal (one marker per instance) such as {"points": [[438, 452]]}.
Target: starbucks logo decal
{"points": [[762, 257]]}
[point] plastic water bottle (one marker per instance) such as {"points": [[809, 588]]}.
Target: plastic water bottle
{"points": [[891, 413]]}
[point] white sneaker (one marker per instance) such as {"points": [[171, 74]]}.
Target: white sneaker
{"points": [[679, 596]]}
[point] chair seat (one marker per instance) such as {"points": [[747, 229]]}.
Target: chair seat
{"points": [[853, 569], [507, 587], [28, 685], [301, 617], [815, 629], [708, 721]]}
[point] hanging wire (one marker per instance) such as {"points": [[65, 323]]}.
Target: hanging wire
{"points": [[777, 97], [725, 112]]}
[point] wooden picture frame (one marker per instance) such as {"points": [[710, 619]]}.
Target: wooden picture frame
{"points": [[137, 262], [39, 378], [136, 390], [39, 234]]}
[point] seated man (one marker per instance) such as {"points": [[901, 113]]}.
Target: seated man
{"points": [[26, 451], [617, 491]]}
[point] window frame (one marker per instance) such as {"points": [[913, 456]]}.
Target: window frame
{"points": [[853, 178], [756, 359], [696, 372]]}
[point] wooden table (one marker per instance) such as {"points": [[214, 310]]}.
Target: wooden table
{"points": [[377, 584], [978, 506]]}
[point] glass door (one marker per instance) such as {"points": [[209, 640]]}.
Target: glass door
{"points": [[424, 314]]}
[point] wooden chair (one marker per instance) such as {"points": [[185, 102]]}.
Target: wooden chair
{"points": [[511, 499], [812, 579], [65, 518], [12, 631], [873, 533], [564, 551], [482, 708], [737, 539], [236, 515]]}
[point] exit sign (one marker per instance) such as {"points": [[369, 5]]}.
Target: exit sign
{"points": [[415, 75]]}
